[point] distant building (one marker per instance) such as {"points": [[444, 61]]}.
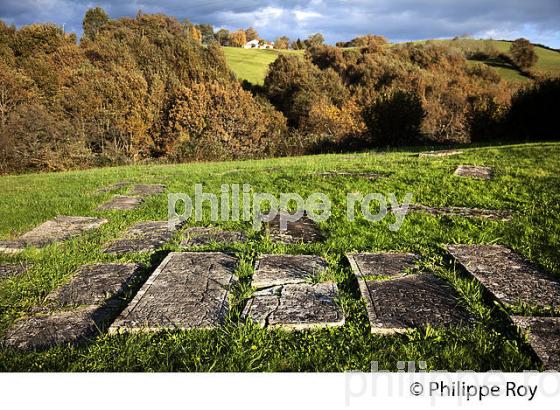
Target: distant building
{"points": [[257, 44]]}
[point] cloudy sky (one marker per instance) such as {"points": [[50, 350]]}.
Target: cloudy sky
{"points": [[338, 20]]}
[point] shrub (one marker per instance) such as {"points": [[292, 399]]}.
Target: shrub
{"points": [[523, 54]]}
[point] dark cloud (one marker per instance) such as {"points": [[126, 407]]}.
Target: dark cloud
{"points": [[336, 19]]}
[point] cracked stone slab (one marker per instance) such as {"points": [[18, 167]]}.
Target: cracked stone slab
{"points": [[490, 214], [188, 290], [9, 270], [399, 304], [114, 187], [121, 203], [383, 265], [473, 171], [65, 327], [544, 337], [94, 284], [439, 153], [507, 276], [144, 236], [271, 270], [296, 306], [58, 229], [366, 175], [147, 189], [200, 236], [304, 230]]}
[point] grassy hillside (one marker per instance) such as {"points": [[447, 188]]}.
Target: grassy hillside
{"points": [[526, 182]]}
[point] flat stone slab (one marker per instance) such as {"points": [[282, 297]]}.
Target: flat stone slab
{"points": [[439, 153], [114, 187], [490, 214], [144, 236], [94, 284], [381, 265], [507, 276], [147, 189], [305, 230], [473, 171], [121, 203], [544, 337], [399, 304], [188, 290], [200, 236], [295, 306], [74, 327], [58, 229], [271, 270], [366, 175], [9, 270]]}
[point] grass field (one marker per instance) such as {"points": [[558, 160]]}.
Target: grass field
{"points": [[526, 182]]}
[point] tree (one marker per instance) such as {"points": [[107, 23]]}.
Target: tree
{"points": [[94, 20], [314, 40], [207, 32], [195, 34], [282, 43], [251, 34], [523, 54], [222, 37], [237, 38]]}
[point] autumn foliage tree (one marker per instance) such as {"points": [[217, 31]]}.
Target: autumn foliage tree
{"points": [[523, 54]]}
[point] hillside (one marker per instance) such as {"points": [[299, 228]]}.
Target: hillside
{"points": [[525, 182]]}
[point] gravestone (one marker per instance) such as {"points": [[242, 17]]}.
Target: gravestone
{"points": [[9, 270], [295, 306], [440, 153], [94, 284], [507, 276], [147, 189], [121, 203], [366, 175], [304, 230], [114, 187], [271, 270], [544, 337], [144, 236], [382, 265], [188, 290], [58, 229], [490, 214], [473, 171], [200, 236]]}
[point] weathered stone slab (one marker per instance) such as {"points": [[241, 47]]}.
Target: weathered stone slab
{"points": [[295, 306], [490, 214], [305, 230], [114, 187], [74, 327], [382, 265], [121, 203], [9, 270], [58, 229], [439, 153], [94, 284], [147, 189], [544, 337], [188, 290], [473, 171], [507, 276], [200, 236], [144, 236], [397, 305], [366, 175], [271, 270]]}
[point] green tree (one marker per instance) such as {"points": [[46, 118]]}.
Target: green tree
{"points": [[222, 37], [94, 20]]}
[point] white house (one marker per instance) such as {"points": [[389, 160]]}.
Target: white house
{"points": [[255, 44]]}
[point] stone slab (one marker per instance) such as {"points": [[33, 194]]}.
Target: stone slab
{"points": [[188, 290], [144, 236], [201, 236], [544, 337], [9, 270], [271, 270], [147, 189], [58, 229], [490, 214], [121, 203], [66, 327], [94, 284], [439, 153], [400, 304], [507, 276], [383, 265], [305, 230], [473, 171], [114, 187], [366, 175], [295, 306]]}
